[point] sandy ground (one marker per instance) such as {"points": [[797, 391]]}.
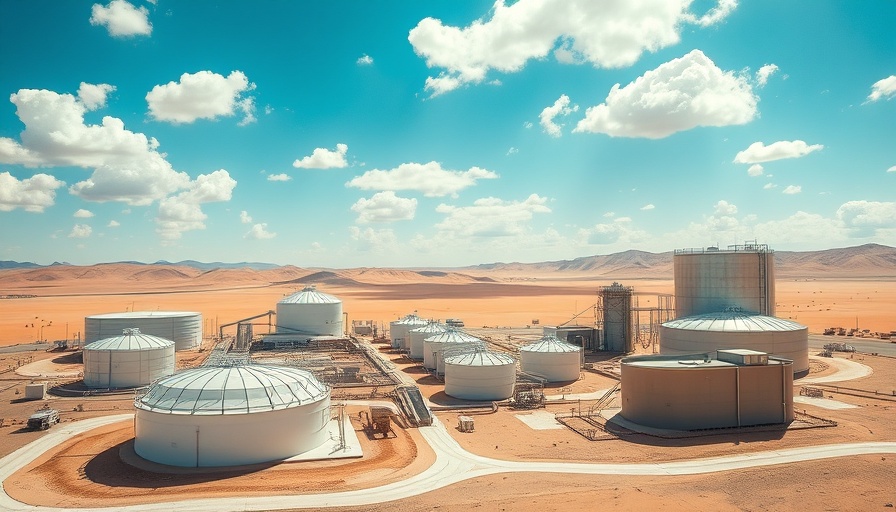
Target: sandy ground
{"points": [[87, 471]]}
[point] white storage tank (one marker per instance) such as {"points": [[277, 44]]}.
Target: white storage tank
{"points": [[552, 359], [227, 416], [434, 347], [399, 330], [419, 334], [480, 375], [184, 328], [737, 330], [310, 312], [710, 280], [129, 360]]}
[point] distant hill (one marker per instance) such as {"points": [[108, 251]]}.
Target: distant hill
{"points": [[869, 260]]}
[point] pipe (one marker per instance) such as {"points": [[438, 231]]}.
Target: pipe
{"points": [[737, 386]]}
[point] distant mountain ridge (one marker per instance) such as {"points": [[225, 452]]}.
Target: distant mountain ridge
{"points": [[859, 261]]}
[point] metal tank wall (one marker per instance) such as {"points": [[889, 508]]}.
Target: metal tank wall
{"points": [[184, 328], [418, 336], [480, 376], [399, 330], [552, 359], [683, 397], [104, 368], [708, 280], [188, 440], [727, 330], [310, 312]]}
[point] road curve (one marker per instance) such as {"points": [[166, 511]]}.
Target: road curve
{"points": [[453, 464]]}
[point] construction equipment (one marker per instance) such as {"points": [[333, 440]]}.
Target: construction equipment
{"points": [[379, 420]]}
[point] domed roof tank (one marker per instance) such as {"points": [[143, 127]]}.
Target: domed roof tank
{"points": [[130, 360], [434, 347], [552, 359], [399, 330], [417, 336], [310, 312], [480, 375]]}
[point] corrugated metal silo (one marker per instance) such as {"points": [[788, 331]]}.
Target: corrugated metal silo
{"points": [[710, 280], [480, 375], [419, 334], [552, 359], [184, 328]]}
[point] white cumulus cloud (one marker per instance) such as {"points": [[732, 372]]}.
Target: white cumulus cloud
{"points": [[865, 218], [561, 107], [93, 96], [491, 217], [725, 208], [183, 212], [32, 194], [883, 89], [202, 95], [127, 165], [113, 224], [365, 60], [430, 179], [892, 169], [681, 94], [279, 177], [609, 34], [764, 73], [323, 158], [384, 207], [80, 231], [83, 214], [769, 186], [647, 207], [121, 19], [759, 152], [755, 170], [245, 218], [792, 189], [259, 232]]}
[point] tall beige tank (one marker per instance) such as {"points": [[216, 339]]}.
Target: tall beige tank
{"points": [[711, 280]]}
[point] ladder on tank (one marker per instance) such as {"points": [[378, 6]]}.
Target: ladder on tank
{"points": [[763, 283]]}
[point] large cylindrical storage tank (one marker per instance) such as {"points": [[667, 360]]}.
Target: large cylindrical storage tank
{"points": [[399, 330], [435, 346], [480, 375], [732, 330], [310, 312], [227, 416], [710, 280], [130, 360], [552, 359], [419, 334], [697, 391], [184, 328]]}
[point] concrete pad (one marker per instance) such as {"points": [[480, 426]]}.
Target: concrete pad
{"points": [[540, 420], [330, 449], [824, 403]]}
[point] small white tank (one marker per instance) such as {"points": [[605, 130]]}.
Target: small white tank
{"points": [[435, 346], [419, 334], [480, 375], [552, 359], [310, 312], [399, 330], [130, 360]]}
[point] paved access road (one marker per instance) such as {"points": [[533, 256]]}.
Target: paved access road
{"points": [[452, 465], [866, 345]]}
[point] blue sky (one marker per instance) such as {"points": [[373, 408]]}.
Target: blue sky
{"points": [[408, 134]]}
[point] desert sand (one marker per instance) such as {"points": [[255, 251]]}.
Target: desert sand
{"points": [[88, 470]]}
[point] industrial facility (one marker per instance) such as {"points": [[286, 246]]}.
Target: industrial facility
{"points": [[737, 388], [132, 359], [420, 334], [434, 347], [231, 415], [552, 360], [184, 328], [399, 330], [725, 299], [480, 375], [310, 312]]}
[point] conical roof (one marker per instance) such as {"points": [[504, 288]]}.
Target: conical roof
{"points": [[310, 295], [550, 343], [130, 339], [733, 321], [452, 335], [431, 328], [481, 358]]}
